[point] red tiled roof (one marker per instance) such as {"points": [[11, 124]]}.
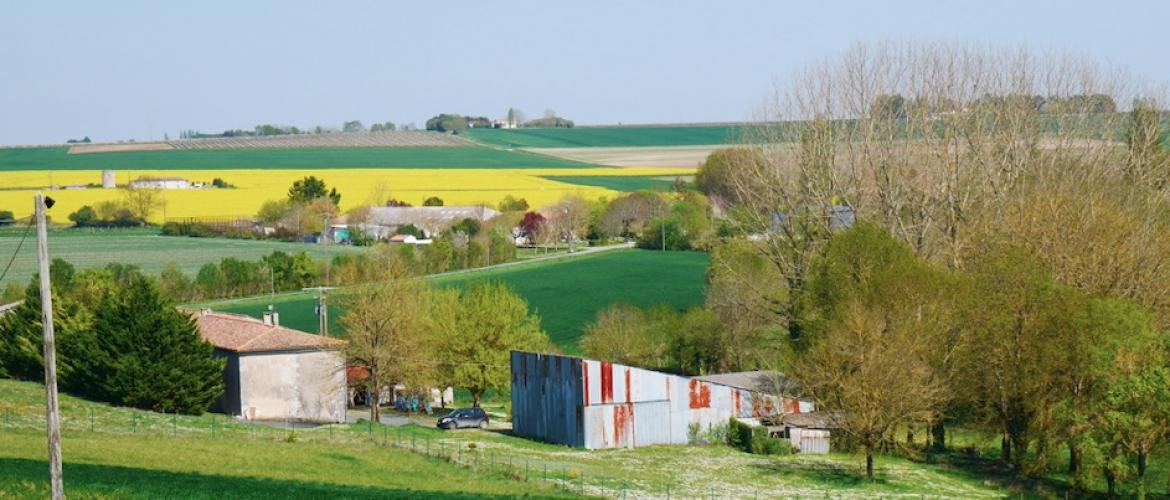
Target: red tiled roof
{"points": [[238, 333]]}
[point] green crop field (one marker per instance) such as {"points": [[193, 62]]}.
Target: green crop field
{"points": [[618, 136], [86, 248], [566, 293], [627, 183], [123, 453], [17, 159]]}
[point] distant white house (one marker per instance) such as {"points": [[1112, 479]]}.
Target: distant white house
{"points": [[160, 183]]}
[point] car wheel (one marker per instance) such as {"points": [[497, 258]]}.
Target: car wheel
{"points": [[483, 424]]}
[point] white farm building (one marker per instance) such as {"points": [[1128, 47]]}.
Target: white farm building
{"points": [[275, 373], [594, 404]]}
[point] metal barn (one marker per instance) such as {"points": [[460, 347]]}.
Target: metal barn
{"points": [[593, 404]]}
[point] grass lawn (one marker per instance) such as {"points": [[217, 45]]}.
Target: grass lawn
{"points": [[627, 183], [612, 136], [86, 248], [57, 158], [566, 293], [137, 454]]}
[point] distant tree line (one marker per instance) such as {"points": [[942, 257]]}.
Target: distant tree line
{"points": [[264, 130], [449, 122]]}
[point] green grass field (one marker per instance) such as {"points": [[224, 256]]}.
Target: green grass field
{"points": [[616, 136], [86, 248], [566, 293], [14, 159], [627, 183], [122, 453]]}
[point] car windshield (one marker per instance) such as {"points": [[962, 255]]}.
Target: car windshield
{"points": [[453, 414]]}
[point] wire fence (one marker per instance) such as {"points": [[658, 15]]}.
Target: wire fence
{"points": [[476, 455]]}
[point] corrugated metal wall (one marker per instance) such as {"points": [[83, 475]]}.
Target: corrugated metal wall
{"points": [[581, 402], [546, 398]]}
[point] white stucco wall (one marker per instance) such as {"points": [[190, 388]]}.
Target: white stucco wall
{"points": [[303, 386]]}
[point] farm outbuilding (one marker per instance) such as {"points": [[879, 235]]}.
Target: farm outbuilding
{"points": [[276, 373], [594, 404]]}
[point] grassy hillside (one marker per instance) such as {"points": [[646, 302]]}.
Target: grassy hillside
{"points": [[17, 159], [141, 247], [618, 136], [566, 293], [122, 453]]}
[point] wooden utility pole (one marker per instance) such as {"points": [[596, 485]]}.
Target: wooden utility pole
{"points": [[322, 309], [51, 415]]}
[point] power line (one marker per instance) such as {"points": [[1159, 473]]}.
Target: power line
{"points": [[17, 251]]}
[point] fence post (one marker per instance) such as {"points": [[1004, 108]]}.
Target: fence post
{"points": [[428, 446], [175, 424], [331, 432], [369, 429], [385, 430], [91, 420], [526, 470], [667, 491]]}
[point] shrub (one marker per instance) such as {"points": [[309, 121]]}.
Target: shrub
{"points": [[754, 439]]}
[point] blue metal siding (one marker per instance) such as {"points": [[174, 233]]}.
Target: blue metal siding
{"points": [[547, 398]]}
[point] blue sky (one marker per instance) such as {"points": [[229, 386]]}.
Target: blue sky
{"points": [[120, 70]]}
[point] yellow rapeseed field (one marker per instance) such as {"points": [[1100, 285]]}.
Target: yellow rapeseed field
{"points": [[357, 186]]}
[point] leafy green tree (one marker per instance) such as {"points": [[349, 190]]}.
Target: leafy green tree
{"points": [[467, 226], [697, 342], [353, 126], [866, 356], [410, 229], [174, 283], [1013, 318], [274, 211], [433, 201], [490, 322], [210, 281], [84, 217], [621, 334], [7, 217], [513, 204], [310, 188], [1136, 420], [149, 355], [290, 271], [714, 176]]}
